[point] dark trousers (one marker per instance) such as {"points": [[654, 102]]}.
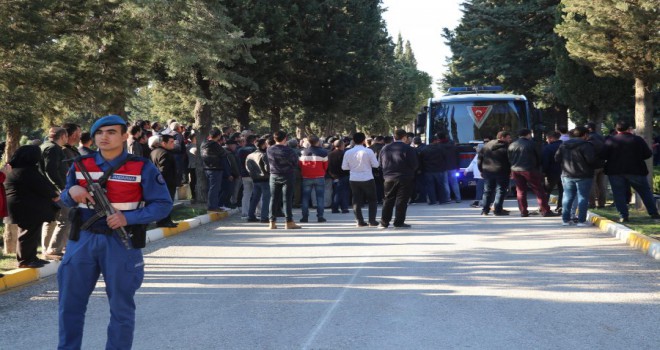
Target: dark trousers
{"points": [[364, 191], [397, 193], [532, 179], [495, 188], [28, 241], [226, 189], [436, 187], [598, 194], [380, 188], [420, 189], [621, 183], [214, 178], [260, 192], [552, 182], [340, 193], [281, 191], [192, 181]]}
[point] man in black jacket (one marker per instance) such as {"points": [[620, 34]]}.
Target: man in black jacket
{"points": [[54, 234], [577, 158], [598, 195], [432, 162], [451, 167], [340, 178], [214, 159], [283, 162], [399, 162], [161, 156], [525, 161], [495, 169], [624, 156], [551, 168]]}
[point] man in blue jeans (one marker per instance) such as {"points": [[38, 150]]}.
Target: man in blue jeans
{"points": [[313, 166], [495, 168], [624, 155], [577, 158]]}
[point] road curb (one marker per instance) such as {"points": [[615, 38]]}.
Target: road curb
{"points": [[18, 277], [643, 243]]}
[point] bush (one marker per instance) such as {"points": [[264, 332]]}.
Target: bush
{"points": [[656, 179]]}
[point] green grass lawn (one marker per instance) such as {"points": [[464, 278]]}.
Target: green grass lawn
{"points": [[8, 262], [640, 220]]}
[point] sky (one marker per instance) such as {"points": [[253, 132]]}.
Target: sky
{"points": [[421, 23]]}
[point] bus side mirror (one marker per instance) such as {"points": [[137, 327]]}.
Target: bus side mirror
{"points": [[420, 123]]}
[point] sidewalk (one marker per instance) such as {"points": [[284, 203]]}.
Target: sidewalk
{"points": [[19, 277], [643, 243]]}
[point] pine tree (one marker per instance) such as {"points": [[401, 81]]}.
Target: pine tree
{"points": [[618, 39]]}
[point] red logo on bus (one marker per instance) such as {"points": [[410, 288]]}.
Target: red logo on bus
{"points": [[479, 114]]}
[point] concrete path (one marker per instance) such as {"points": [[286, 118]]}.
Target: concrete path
{"points": [[456, 280]]}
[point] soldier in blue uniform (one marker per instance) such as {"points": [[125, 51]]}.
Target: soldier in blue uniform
{"points": [[137, 189]]}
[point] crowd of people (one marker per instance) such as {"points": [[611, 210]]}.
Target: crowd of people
{"points": [[141, 166], [267, 176]]}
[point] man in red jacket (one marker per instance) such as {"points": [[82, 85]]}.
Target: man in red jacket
{"points": [[313, 165]]}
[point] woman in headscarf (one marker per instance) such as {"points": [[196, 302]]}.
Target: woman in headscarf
{"points": [[30, 201]]}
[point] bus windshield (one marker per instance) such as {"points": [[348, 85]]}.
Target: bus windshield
{"points": [[466, 121]]}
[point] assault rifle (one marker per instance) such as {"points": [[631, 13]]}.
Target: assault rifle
{"points": [[103, 207]]}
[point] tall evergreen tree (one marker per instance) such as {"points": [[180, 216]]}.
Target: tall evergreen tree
{"points": [[36, 68], [617, 38], [503, 42]]}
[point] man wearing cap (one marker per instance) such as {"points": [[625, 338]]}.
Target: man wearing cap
{"points": [[138, 191]]}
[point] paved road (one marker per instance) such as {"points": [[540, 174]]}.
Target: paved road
{"points": [[454, 281]]}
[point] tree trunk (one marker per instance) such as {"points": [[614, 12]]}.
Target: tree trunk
{"points": [[118, 107], [13, 128], [644, 117], [560, 115], [243, 116], [13, 139], [275, 119], [10, 237], [203, 121], [202, 124], [596, 116]]}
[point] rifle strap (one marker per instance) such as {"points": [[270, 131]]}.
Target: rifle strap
{"points": [[92, 220]]}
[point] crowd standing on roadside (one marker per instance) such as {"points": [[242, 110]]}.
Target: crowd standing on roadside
{"points": [[143, 165]]}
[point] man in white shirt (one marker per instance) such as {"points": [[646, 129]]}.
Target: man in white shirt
{"points": [[360, 161]]}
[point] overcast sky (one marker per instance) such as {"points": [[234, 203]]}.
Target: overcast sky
{"points": [[421, 23]]}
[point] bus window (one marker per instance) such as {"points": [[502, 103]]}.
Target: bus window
{"points": [[466, 121]]}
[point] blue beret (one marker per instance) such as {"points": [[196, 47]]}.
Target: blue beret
{"points": [[107, 121]]}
